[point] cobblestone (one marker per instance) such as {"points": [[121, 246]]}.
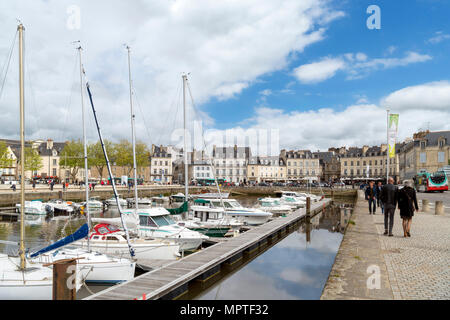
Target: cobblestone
{"points": [[410, 268]]}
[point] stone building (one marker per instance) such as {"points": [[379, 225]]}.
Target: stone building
{"points": [[266, 169], [160, 165], [301, 165], [230, 163], [427, 151], [368, 163], [330, 165]]}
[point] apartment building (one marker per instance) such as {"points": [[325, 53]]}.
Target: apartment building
{"points": [[427, 151], [230, 163], [301, 165], [266, 169], [161, 170]]}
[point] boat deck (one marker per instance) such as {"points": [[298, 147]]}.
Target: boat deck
{"points": [[171, 280]]}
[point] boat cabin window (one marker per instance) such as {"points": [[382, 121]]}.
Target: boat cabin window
{"points": [[147, 221], [169, 219], [112, 238], [217, 204], [102, 230], [160, 221]]}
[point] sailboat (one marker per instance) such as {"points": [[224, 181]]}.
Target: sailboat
{"points": [[95, 267], [156, 222], [107, 238], [19, 278]]}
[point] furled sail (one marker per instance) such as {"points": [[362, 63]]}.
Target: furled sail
{"points": [[81, 233], [179, 210]]}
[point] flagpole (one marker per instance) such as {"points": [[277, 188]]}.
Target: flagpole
{"points": [[387, 141]]}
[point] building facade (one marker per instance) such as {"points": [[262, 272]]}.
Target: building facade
{"points": [[301, 165], [161, 169], [230, 163], [266, 169], [427, 151]]}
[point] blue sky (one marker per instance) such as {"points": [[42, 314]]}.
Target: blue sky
{"points": [[309, 70], [405, 26]]}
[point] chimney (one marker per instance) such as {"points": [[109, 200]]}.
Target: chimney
{"points": [[153, 149], [364, 149], [214, 151], [383, 147], [49, 144]]}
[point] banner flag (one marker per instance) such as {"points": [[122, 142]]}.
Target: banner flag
{"points": [[392, 133]]}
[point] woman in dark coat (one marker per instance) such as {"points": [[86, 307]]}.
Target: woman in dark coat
{"points": [[407, 203]]}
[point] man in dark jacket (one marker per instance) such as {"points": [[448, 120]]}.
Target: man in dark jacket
{"points": [[389, 198], [379, 203], [371, 196]]}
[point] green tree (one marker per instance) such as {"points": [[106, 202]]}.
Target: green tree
{"points": [[72, 157], [124, 155], [4, 161], [96, 157], [33, 161]]}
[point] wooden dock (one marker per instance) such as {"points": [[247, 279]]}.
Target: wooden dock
{"points": [[171, 280]]}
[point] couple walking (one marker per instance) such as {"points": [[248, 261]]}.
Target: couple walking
{"points": [[391, 197]]}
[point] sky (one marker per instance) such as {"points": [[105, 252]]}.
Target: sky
{"points": [[292, 74]]}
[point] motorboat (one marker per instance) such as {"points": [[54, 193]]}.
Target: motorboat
{"points": [[274, 205], [179, 197], [159, 199], [156, 222], [34, 207], [210, 195], [300, 195], [293, 202], [112, 202], [60, 207], [234, 209], [212, 222], [140, 201], [110, 240]]}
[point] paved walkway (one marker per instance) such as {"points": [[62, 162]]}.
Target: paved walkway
{"points": [[409, 268]]}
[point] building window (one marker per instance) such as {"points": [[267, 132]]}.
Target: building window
{"points": [[423, 144], [441, 143], [441, 156], [54, 162], [423, 157]]}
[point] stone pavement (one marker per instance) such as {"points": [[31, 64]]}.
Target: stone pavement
{"points": [[409, 268]]}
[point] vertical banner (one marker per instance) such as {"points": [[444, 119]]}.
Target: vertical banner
{"points": [[392, 133]]}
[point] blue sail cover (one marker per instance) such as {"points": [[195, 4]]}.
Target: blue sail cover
{"points": [[81, 233]]}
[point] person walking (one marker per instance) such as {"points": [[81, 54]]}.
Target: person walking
{"points": [[407, 203], [389, 199], [64, 186], [34, 185], [371, 196], [379, 202]]}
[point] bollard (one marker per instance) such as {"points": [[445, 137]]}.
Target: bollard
{"points": [[439, 208], [308, 206], [425, 205], [64, 279]]}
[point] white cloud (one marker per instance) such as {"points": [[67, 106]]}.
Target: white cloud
{"points": [[438, 37], [433, 96], [226, 46], [355, 125], [355, 65], [318, 71]]}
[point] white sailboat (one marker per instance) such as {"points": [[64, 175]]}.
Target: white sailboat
{"points": [[20, 279], [119, 242], [94, 266]]}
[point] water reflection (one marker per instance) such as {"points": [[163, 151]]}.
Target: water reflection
{"points": [[295, 268]]}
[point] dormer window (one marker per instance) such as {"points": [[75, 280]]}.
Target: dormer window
{"points": [[441, 143], [423, 144]]}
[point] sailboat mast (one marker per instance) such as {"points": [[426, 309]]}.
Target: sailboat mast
{"points": [[86, 172], [22, 151], [186, 191], [133, 134]]}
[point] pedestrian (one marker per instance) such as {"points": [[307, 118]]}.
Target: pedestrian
{"points": [[371, 196], [34, 185], [64, 186], [389, 200], [13, 186], [407, 203], [51, 185], [93, 186], [379, 202]]}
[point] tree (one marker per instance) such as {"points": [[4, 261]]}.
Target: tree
{"points": [[96, 157], [33, 161], [5, 162], [124, 155], [72, 156]]}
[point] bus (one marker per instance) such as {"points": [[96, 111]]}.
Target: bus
{"points": [[425, 181]]}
